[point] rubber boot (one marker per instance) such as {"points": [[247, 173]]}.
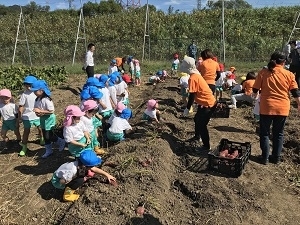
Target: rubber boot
{"points": [[24, 149], [48, 152], [70, 195], [99, 151], [61, 143]]}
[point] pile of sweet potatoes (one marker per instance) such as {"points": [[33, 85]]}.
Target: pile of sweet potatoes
{"points": [[230, 153]]}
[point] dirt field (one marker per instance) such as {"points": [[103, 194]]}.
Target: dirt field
{"points": [[176, 187]]}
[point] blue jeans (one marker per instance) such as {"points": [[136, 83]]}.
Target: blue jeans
{"points": [[277, 132]]}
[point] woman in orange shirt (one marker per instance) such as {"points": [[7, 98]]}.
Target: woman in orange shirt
{"points": [[275, 83], [199, 92], [246, 89], [209, 69]]}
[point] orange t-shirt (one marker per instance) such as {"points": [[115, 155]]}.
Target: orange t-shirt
{"points": [[275, 87], [247, 86], [208, 70], [119, 61], [204, 95]]}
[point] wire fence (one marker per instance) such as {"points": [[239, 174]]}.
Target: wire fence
{"points": [[255, 49]]}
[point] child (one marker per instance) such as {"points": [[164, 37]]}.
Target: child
{"points": [[112, 67], [120, 126], [247, 91], [9, 112], [199, 62], [72, 175], [92, 123], [154, 79], [184, 84], [131, 66], [119, 109], [44, 109], [111, 81], [122, 91], [106, 111], [256, 108], [137, 72], [175, 65], [230, 78], [237, 89], [152, 113], [75, 132], [219, 84], [26, 114], [126, 78]]}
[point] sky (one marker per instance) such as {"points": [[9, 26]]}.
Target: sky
{"points": [[182, 5]]}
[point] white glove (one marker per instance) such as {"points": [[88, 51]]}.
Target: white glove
{"points": [[186, 112]]}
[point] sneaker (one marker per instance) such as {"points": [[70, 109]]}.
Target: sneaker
{"points": [[193, 139], [275, 159], [24, 149], [99, 151], [70, 195], [232, 106]]}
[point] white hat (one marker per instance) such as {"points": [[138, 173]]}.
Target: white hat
{"points": [[188, 65]]}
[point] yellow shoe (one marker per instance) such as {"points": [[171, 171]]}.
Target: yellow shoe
{"points": [[70, 195], [99, 151]]}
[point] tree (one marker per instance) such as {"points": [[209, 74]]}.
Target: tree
{"points": [[109, 7], [170, 9], [228, 4], [32, 7]]}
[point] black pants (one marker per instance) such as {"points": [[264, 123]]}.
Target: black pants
{"points": [[212, 88], [89, 71], [75, 183], [296, 70], [265, 122], [49, 136], [201, 120]]}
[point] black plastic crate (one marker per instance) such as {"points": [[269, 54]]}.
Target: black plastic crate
{"points": [[222, 110], [231, 167]]}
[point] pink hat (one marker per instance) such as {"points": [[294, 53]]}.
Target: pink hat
{"points": [[89, 104], [120, 107], [5, 93], [151, 104], [70, 111]]}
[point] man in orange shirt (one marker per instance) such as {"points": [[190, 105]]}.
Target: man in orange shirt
{"points": [[275, 83], [209, 69], [247, 91], [120, 63], [199, 92]]}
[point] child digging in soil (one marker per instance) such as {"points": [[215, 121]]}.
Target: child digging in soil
{"points": [[152, 113], [44, 108], [75, 132], [71, 176], [120, 127], [26, 114], [9, 112], [92, 123]]}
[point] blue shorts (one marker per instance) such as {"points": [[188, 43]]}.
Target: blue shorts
{"points": [[9, 125], [138, 74], [115, 137], [31, 123]]}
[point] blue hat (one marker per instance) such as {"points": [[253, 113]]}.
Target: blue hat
{"points": [[112, 79], [113, 61], [126, 114], [129, 59], [159, 73], [95, 93], [103, 78], [30, 79], [89, 158], [41, 85], [93, 81], [85, 94]]}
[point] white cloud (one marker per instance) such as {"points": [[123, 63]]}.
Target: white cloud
{"points": [[62, 5], [173, 2]]}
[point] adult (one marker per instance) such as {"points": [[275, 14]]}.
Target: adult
{"points": [[199, 92], [89, 61], [209, 69], [120, 63], [294, 59], [275, 83], [192, 50]]}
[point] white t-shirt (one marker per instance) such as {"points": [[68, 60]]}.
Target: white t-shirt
{"points": [[131, 65], [44, 103], [89, 59], [121, 88], [176, 61], [67, 171], [221, 80], [153, 77], [184, 81], [74, 132], [105, 99], [113, 94], [88, 122], [8, 111], [256, 106], [112, 69], [27, 100], [137, 68], [151, 113], [118, 125]]}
